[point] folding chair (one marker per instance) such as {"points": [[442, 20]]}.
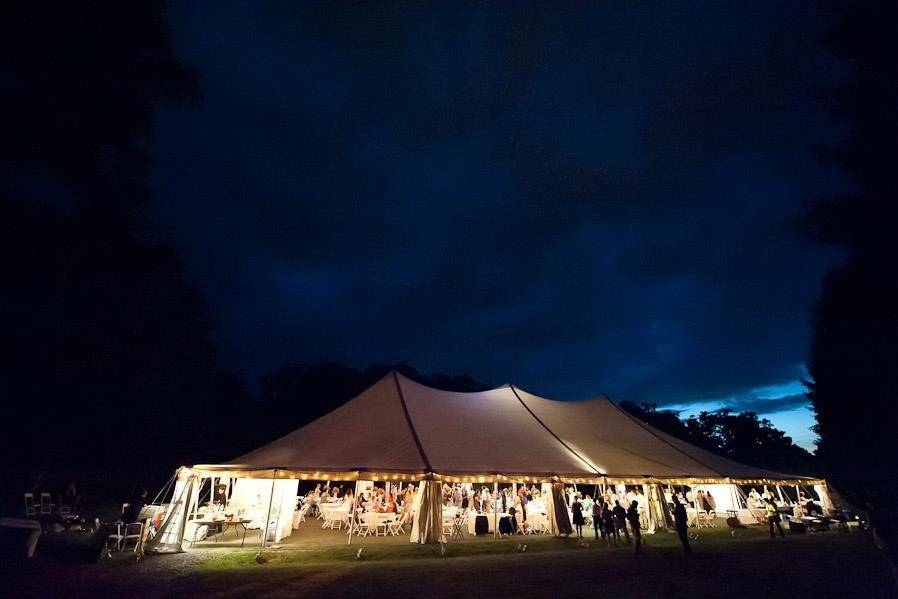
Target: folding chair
{"points": [[363, 524], [116, 537], [703, 519], [448, 521], [30, 508], [397, 525], [459, 526], [380, 523], [519, 523], [46, 504], [133, 534], [328, 516], [393, 525], [303, 511]]}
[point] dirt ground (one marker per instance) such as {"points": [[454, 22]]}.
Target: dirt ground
{"points": [[820, 565]]}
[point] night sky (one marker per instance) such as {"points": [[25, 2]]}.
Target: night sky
{"points": [[581, 201]]}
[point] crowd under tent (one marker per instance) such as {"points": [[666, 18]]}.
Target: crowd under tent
{"points": [[400, 431]]}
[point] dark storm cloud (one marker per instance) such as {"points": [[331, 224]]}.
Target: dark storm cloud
{"points": [[772, 406], [595, 199]]}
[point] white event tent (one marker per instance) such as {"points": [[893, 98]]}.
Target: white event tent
{"points": [[400, 430]]}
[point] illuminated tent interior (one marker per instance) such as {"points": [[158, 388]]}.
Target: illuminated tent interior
{"points": [[399, 430]]}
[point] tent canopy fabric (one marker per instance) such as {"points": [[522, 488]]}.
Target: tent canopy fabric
{"points": [[401, 427]]}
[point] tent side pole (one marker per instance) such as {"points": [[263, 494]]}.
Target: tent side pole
{"points": [[352, 516], [268, 515], [495, 509]]}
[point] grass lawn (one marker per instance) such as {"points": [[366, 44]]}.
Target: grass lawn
{"points": [[487, 546], [828, 564]]}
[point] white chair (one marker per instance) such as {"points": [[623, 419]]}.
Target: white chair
{"points": [[300, 516], [133, 534], [460, 526], [704, 519], [393, 524], [329, 518], [46, 504], [397, 525], [30, 508], [303, 511], [116, 537], [539, 524], [380, 524], [363, 524], [448, 522]]}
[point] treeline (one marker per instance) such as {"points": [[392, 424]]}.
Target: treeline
{"points": [[853, 360], [742, 437]]}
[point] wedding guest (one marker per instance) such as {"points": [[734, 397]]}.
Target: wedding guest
{"points": [[633, 518], [681, 523], [608, 528], [577, 512], [620, 521], [597, 519]]}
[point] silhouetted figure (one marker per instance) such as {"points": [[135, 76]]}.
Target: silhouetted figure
{"points": [[620, 521], [137, 503], [773, 518], [608, 528], [577, 512], [597, 518], [681, 523], [633, 518], [71, 497]]}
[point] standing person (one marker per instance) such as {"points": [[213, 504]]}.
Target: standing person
{"points": [[681, 523], [773, 517], [71, 497], [633, 518], [577, 512], [620, 521], [608, 528], [597, 519], [137, 503]]}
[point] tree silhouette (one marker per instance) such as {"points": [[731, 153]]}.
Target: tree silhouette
{"points": [[853, 360], [742, 437], [108, 362]]}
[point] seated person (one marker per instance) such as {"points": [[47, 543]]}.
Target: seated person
{"points": [[813, 508], [221, 494]]}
